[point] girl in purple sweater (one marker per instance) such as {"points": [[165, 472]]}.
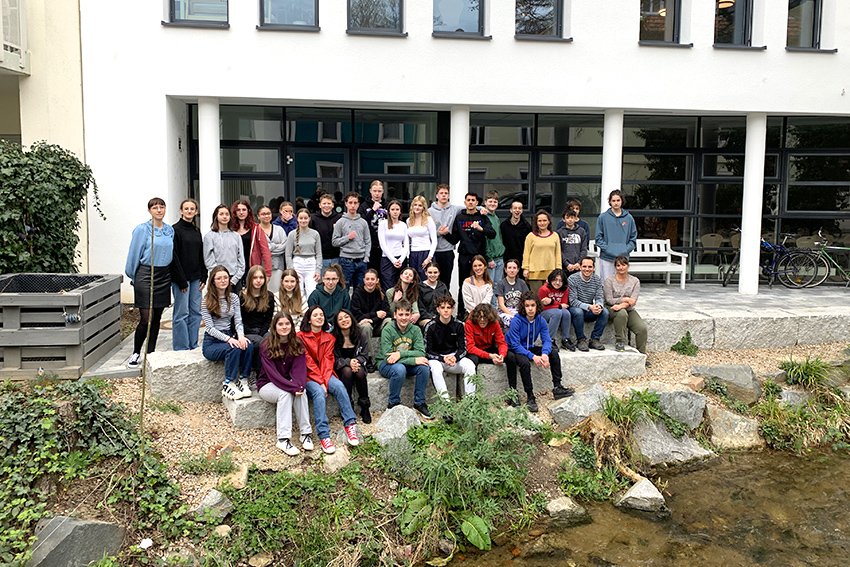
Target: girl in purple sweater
{"points": [[282, 380]]}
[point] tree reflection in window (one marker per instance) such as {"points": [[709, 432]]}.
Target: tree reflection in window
{"points": [[538, 17], [374, 15]]}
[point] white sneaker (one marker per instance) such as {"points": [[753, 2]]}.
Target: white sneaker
{"points": [[244, 387], [230, 390], [287, 447], [134, 360], [307, 442]]}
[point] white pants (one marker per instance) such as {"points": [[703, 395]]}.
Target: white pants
{"points": [[306, 268], [464, 366], [606, 269], [274, 281], [506, 318], [285, 402]]}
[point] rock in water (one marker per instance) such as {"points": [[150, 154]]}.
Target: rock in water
{"points": [[740, 380], [643, 496], [585, 401], [732, 431], [72, 541], [565, 512]]}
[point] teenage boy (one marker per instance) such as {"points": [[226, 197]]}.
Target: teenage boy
{"points": [[323, 222], [586, 304], [575, 205], [403, 355], [494, 249], [351, 234], [526, 327], [374, 210], [447, 236], [573, 242], [473, 230], [514, 230], [429, 291], [616, 234], [445, 348]]}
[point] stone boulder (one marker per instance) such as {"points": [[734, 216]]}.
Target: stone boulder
{"points": [[732, 431], [680, 403], [339, 459], [643, 496], [65, 541], [658, 447], [565, 512], [740, 380], [794, 397], [845, 391], [251, 413], [184, 375], [217, 503], [585, 401], [394, 424]]}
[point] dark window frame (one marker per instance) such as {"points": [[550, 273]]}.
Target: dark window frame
{"points": [[173, 21], [288, 27], [816, 31], [388, 32], [464, 35], [748, 27], [677, 30], [559, 26]]}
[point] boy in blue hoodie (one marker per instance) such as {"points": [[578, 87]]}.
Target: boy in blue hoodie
{"points": [[616, 234], [526, 327]]}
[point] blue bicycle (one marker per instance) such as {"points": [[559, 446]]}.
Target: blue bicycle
{"points": [[794, 269]]}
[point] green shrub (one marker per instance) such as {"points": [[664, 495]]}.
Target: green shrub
{"points": [[685, 346], [587, 485], [637, 406], [810, 374], [771, 389]]}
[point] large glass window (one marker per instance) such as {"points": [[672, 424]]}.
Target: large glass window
{"points": [[459, 16], [733, 22], [318, 125], [375, 15], [297, 14], [659, 132], [199, 11], [569, 130], [258, 123], [659, 20], [498, 129], [804, 17], [539, 17], [395, 127]]}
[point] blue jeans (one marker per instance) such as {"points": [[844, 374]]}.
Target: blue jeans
{"points": [[497, 274], [319, 398], [398, 372], [237, 362], [353, 272], [186, 316], [327, 262], [580, 316], [558, 318]]}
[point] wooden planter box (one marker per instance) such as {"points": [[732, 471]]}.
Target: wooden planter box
{"points": [[63, 323]]}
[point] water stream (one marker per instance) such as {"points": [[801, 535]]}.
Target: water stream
{"points": [[739, 510]]}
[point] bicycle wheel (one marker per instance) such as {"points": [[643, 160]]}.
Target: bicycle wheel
{"points": [[823, 270], [733, 267], [796, 270]]}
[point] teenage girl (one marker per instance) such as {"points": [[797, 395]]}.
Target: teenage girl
{"points": [[223, 247], [422, 232], [371, 311], [407, 288], [304, 253], [350, 350], [255, 245], [555, 298], [508, 291], [395, 247], [190, 278], [256, 305], [478, 287], [289, 298]]}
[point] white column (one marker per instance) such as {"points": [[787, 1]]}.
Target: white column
{"points": [[209, 159], [459, 155], [748, 284], [612, 155]]}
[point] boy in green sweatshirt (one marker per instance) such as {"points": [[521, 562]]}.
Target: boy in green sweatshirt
{"points": [[403, 355]]}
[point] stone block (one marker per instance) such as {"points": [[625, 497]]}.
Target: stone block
{"points": [[394, 424], [681, 404], [339, 459], [184, 375], [794, 397], [695, 383], [659, 447], [250, 413], [741, 329], [565, 512], [65, 541], [214, 503], [643, 496], [822, 324], [740, 380], [585, 401], [732, 431], [664, 329]]}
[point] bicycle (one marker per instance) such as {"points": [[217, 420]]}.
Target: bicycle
{"points": [[825, 263], [793, 269]]}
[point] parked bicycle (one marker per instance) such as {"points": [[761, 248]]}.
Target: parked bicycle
{"points": [[827, 266], [793, 269]]}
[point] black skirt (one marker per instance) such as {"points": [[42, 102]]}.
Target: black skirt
{"points": [[161, 287]]}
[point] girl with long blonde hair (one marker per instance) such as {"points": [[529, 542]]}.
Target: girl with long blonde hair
{"points": [[422, 232], [290, 299]]}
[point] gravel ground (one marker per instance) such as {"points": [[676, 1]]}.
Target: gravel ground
{"points": [[205, 428]]}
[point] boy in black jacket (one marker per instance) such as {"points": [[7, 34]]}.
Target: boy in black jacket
{"points": [[445, 347]]}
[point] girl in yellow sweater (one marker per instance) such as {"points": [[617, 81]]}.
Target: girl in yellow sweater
{"points": [[542, 252]]}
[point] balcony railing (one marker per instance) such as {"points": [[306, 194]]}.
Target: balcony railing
{"points": [[13, 37]]}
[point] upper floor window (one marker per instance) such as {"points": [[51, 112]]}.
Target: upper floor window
{"points": [[458, 17], [201, 11], [804, 17], [380, 16], [659, 20], [733, 22], [292, 14], [539, 17]]}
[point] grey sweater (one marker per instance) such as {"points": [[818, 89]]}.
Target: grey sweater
{"points": [[614, 291], [277, 246], [225, 247], [359, 247], [219, 327], [584, 293], [445, 217], [309, 244]]}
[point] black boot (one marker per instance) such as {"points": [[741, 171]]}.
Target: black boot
{"points": [[365, 415]]}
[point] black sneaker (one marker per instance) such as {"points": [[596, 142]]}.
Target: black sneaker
{"points": [[423, 409], [582, 345], [568, 344], [370, 367], [531, 404], [392, 405], [559, 392], [620, 346], [134, 360]]}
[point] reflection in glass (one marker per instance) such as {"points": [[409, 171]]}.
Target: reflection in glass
{"points": [[538, 17], [818, 132], [499, 129], [554, 197], [290, 12], [395, 127], [498, 166], [716, 165], [826, 198], [318, 125], [402, 191], [659, 131], [263, 123], [720, 199], [253, 160], [728, 132], [570, 130], [458, 16], [563, 164], [731, 23], [507, 191], [657, 167], [658, 20], [199, 10], [374, 15], [256, 192], [803, 19], [677, 229], [819, 168], [657, 197], [395, 163]]}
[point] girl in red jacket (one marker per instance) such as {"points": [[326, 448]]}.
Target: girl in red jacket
{"points": [[485, 343], [555, 297], [319, 347]]}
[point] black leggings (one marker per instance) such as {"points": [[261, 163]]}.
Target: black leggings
{"points": [[142, 329], [351, 379]]}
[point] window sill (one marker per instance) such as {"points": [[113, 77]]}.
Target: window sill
{"points": [[191, 24], [379, 33], [526, 37], [735, 47], [653, 43], [810, 50], [460, 35], [288, 27]]}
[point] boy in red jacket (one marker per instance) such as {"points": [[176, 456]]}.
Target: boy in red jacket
{"points": [[485, 344]]}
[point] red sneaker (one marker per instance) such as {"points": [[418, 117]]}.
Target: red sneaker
{"points": [[327, 445], [351, 431]]}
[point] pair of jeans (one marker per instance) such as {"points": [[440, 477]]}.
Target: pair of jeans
{"points": [[186, 316], [237, 362], [327, 262], [285, 403], [525, 363], [398, 372], [558, 318], [389, 273], [580, 315], [318, 396], [464, 366], [497, 274], [353, 272]]}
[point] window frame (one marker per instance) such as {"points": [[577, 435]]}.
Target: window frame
{"points": [[464, 35], [559, 26], [177, 22], [389, 32], [747, 33], [289, 27], [677, 29], [816, 28]]}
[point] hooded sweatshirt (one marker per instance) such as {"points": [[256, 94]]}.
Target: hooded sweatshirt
{"points": [[522, 333], [286, 226], [573, 244], [320, 356], [494, 247], [325, 227], [445, 216], [472, 241], [359, 247], [288, 373], [513, 237], [408, 343], [329, 302], [478, 340], [615, 235]]}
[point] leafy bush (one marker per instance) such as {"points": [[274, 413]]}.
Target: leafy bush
{"points": [[41, 193], [810, 373], [201, 464], [584, 484], [685, 346]]}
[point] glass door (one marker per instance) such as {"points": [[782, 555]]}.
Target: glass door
{"points": [[313, 171]]}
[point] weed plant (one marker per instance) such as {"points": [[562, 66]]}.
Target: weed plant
{"points": [[685, 346], [166, 406], [201, 464], [722, 392], [810, 374], [583, 481], [639, 406]]}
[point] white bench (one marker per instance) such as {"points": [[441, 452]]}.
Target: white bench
{"points": [[653, 255]]}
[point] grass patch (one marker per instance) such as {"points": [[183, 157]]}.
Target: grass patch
{"points": [[639, 406], [202, 464], [165, 406], [810, 373]]}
